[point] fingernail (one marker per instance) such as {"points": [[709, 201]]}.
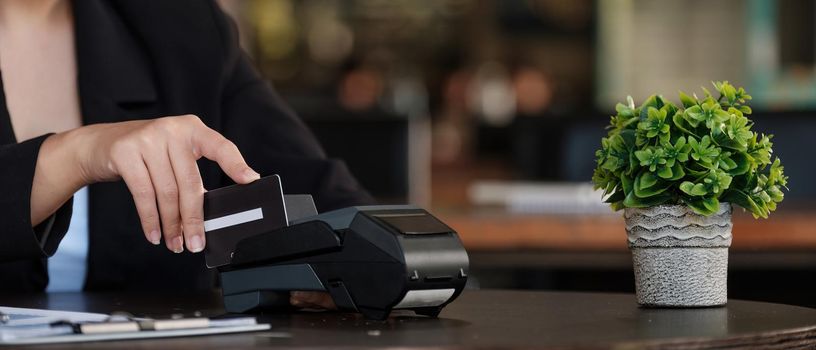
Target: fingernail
{"points": [[179, 245], [195, 244], [154, 237], [251, 175]]}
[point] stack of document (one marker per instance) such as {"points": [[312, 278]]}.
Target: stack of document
{"points": [[539, 197], [33, 326]]}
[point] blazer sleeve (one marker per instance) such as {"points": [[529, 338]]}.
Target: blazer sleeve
{"points": [[273, 139], [18, 240]]}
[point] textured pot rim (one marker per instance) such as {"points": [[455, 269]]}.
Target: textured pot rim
{"points": [[723, 207], [677, 225]]}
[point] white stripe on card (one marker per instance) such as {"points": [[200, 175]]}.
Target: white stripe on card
{"points": [[233, 219]]}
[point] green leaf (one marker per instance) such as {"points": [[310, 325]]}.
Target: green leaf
{"points": [[655, 123], [633, 163], [687, 100], [677, 171], [712, 205], [696, 172], [617, 196], [623, 110], [729, 92], [682, 124], [741, 164], [699, 189], [628, 137], [646, 180], [653, 101], [707, 93], [633, 201], [723, 140], [776, 174], [742, 199], [726, 163], [693, 115], [676, 153], [644, 155], [628, 184], [651, 158], [718, 116], [669, 108], [740, 182], [776, 194], [693, 189], [704, 206], [665, 173], [647, 185], [704, 151], [753, 182]]}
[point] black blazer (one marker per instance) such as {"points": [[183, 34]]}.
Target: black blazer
{"points": [[142, 59]]}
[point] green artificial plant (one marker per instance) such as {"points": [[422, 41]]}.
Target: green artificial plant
{"points": [[698, 154]]}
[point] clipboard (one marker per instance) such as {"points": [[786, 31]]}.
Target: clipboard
{"points": [[81, 338], [35, 326]]}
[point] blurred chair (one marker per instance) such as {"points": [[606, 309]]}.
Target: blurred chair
{"points": [[387, 153], [581, 140], [793, 143]]}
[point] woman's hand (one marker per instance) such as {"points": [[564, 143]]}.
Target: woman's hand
{"points": [[157, 160]]}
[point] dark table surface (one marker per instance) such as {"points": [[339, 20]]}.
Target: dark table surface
{"points": [[479, 318]]}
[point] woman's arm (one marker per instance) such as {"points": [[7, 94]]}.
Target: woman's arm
{"points": [[19, 239], [156, 159], [56, 177]]}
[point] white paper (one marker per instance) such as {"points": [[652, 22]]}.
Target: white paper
{"points": [[425, 298], [22, 317], [79, 338], [33, 326]]}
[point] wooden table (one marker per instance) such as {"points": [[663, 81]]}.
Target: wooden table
{"points": [[479, 318], [496, 230]]}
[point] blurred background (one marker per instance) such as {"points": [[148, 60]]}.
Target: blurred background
{"points": [[488, 113]]}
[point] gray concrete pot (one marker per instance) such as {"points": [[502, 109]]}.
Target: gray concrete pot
{"points": [[680, 257]]}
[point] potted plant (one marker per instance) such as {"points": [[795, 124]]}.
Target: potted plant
{"points": [[676, 171]]}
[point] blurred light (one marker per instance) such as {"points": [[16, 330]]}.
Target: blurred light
{"points": [[448, 142], [533, 91], [360, 89], [330, 42], [276, 28], [407, 94], [492, 96]]}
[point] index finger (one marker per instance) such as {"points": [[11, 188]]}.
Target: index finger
{"points": [[216, 147]]}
